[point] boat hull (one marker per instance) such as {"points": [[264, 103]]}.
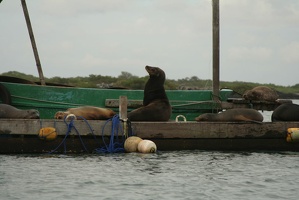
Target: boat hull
{"points": [[50, 99]]}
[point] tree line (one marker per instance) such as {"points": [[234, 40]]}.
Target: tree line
{"points": [[127, 80]]}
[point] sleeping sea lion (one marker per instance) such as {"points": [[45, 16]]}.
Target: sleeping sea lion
{"points": [[261, 93], [156, 106], [87, 112], [286, 112], [10, 112], [233, 115]]}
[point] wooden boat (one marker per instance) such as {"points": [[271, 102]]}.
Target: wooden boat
{"points": [[50, 99]]}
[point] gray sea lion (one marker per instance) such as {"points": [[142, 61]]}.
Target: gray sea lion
{"points": [[286, 112], [10, 112], [261, 93], [87, 112], [233, 115], [156, 106]]}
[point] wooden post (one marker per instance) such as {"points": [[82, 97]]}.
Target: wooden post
{"points": [[216, 49], [39, 68], [123, 102]]}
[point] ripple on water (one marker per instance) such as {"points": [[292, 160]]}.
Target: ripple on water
{"points": [[164, 175]]}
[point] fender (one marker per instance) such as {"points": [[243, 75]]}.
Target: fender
{"points": [[5, 96]]}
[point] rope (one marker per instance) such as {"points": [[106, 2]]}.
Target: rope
{"points": [[114, 146], [71, 126]]}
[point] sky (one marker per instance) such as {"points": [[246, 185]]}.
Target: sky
{"points": [[259, 39]]}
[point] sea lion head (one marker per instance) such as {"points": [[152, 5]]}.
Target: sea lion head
{"points": [[155, 71], [31, 114], [60, 115]]}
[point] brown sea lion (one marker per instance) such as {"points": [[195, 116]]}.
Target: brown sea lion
{"points": [[87, 112], [156, 106], [233, 115], [11, 112], [286, 112], [261, 93]]}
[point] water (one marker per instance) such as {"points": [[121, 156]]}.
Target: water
{"points": [[164, 175]]}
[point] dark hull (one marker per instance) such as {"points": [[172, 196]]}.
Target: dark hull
{"points": [[21, 136]]}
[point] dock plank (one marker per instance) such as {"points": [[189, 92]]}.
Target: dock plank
{"points": [[155, 129], [20, 136]]}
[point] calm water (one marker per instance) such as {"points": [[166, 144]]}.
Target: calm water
{"points": [[164, 175]]}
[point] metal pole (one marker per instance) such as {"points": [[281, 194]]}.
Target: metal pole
{"points": [[216, 49], [39, 68]]}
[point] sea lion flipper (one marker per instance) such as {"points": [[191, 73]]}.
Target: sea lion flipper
{"points": [[243, 118]]}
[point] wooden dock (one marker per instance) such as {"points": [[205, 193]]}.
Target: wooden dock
{"points": [[21, 136]]}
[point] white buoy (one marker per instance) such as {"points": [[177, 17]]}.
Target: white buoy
{"points": [[71, 117], [147, 146], [131, 144]]}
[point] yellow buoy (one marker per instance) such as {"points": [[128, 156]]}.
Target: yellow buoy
{"points": [[47, 133], [131, 144], [293, 135], [147, 146]]}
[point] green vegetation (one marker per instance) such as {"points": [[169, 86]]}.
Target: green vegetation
{"points": [[127, 80]]}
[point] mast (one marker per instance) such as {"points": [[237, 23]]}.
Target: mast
{"points": [[38, 64], [215, 4]]}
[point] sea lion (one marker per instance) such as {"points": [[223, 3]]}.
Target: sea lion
{"points": [[233, 115], [87, 112], [286, 112], [11, 112], [156, 106], [261, 93]]}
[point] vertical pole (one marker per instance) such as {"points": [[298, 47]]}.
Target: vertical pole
{"points": [[39, 68], [123, 102], [216, 49]]}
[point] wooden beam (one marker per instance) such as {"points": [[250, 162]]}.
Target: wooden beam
{"points": [[216, 49], [29, 27], [161, 130]]}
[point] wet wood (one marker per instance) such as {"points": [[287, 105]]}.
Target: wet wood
{"points": [[21, 136], [123, 107], [34, 47], [114, 103], [216, 49], [165, 130]]}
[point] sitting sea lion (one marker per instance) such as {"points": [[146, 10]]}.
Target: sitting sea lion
{"points": [[10, 112], [156, 106], [286, 112], [87, 112], [233, 115], [261, 93]]}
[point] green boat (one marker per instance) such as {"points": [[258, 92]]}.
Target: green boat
{"points": [[50, 99]]}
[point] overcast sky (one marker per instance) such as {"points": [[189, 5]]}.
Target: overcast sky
{"points": [[259, 39]]}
